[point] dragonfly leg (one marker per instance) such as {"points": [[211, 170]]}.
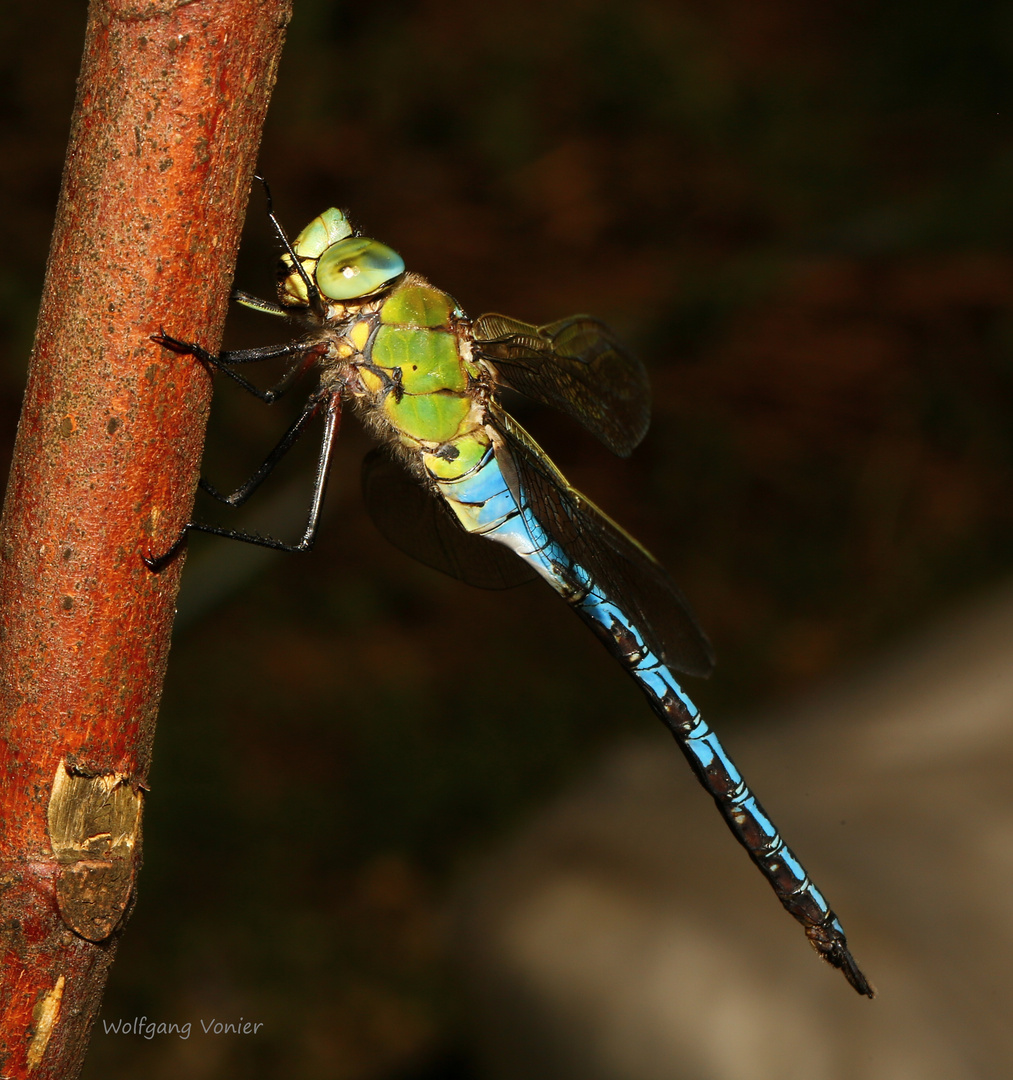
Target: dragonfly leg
{"points": [[224, 361], [271, 395], [285, 443], [330, 401], [311, 287], [269, 307]]}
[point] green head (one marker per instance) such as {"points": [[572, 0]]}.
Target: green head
{"points": [[343, 266]]}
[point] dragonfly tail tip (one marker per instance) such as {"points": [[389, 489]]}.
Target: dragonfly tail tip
{"points": [[833, 947]]}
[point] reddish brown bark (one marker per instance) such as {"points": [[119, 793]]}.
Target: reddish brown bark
{"points": [[169, 110]]}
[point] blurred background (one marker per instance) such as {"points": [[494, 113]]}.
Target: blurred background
{"points": [[800, 217]]}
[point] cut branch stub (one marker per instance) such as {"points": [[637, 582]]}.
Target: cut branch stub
{"points": [[95, 829]]}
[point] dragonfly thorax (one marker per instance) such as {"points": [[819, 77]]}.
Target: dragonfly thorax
{"points": [[404, 359]]}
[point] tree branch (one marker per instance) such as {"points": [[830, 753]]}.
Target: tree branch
{"points": [[170, 104]]}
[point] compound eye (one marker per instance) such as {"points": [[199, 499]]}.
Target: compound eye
{"points": [[326, 229], [356, 267]]}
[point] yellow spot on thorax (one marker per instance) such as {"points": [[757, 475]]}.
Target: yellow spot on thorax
{"points": [[359, 334], [372, 382]]}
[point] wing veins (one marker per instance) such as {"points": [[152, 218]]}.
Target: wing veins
{"points": [[620, 567], [576, 365]]}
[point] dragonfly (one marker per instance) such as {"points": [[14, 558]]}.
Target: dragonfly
{"points": [[457, 482]]}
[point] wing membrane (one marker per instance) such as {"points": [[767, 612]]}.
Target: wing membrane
{"points": [[420, 524], [576, 365], [624, 570]]}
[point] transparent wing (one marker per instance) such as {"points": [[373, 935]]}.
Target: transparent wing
{"points": [[421, 525], [576, 365], [621, 568]]}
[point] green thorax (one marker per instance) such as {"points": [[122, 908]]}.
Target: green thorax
{"points": [[416, 368]]}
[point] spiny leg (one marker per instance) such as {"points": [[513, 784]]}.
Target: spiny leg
{"points": [[285, 443], [330, 400], [312, 292], [245, 356]]}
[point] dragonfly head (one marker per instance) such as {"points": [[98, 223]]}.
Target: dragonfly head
{"points": [[343, 266]]}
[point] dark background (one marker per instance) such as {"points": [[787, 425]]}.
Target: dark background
{"points": [[798, 214]]}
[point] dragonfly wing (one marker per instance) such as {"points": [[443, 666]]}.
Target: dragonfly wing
{"points": [[576, 365], [624, 571], [421, 525]]}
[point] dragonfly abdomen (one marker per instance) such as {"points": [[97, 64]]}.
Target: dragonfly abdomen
{"points": [[482, 500], [717, 772], [477, 492]]}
